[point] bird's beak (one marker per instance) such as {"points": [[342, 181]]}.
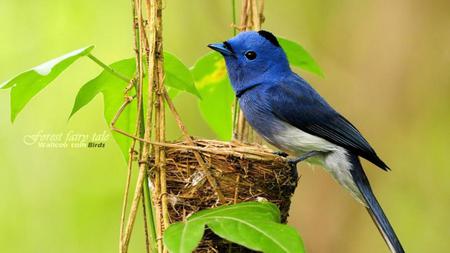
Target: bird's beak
{"points": [[220, 47]]}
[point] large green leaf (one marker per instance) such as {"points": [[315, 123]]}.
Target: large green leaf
{"points": [[212, 82], [254, 225], [183, 237], [178, 75], [104, 81], [27, 84], [112, 89], [299, 57], [259, 235], [244, 210]]}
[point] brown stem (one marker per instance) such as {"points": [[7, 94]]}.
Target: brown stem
{"points": [[122, 247], [255, 16], [125, 197], [155, 72], [144, 215]]}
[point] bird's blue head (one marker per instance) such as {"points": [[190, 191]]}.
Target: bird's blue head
{"points": [[253, 57]]}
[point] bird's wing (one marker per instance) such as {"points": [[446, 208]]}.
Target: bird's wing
{"points": [[296, 102]]}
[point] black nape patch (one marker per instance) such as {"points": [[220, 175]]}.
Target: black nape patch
{"points": [[270, 37]]}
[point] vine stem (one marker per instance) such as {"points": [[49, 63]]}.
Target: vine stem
{"points": [[147, 127], [108, 68], [127, 101], [138, 189], [233, 11], [160, 125], [235, 104]]}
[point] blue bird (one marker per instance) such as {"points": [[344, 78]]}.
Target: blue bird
{"points": [[289, 114]]}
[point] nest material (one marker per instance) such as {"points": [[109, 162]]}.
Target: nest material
{"points": [[244, 172]]}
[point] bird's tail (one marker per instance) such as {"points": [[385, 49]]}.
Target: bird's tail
{"points": [[374, 208]]}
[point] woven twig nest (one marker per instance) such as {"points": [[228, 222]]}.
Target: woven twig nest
{"points": [[243, 172]]}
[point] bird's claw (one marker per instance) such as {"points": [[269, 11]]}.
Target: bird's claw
{"points": [[280, 153], [292, 163], [293, 166]]}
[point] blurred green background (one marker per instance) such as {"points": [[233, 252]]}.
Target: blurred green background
{"points": [[387, 68]]}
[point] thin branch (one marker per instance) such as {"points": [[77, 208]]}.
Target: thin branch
{"points": [[119, 112], [251, 19], [233, 11], [127, 101], [160, 157], [150, 211], [255, 16], [149, 45], [162, 118], [125, 195], [144, 215]]}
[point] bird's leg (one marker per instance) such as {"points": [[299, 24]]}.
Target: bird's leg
{"points": [[293, 162], [294, 173], [280, 153]]}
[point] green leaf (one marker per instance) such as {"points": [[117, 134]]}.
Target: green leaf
{"points": [[212, 82], [183, 237], [244, 210], [259, 235], [178, 75], [112, 89], [27, 84], [254, 225], [299, 57]]}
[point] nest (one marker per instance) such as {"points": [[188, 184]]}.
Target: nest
{"points": [[244, 172]]}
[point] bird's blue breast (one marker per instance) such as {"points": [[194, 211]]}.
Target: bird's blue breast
{"points": [[258, 113]]}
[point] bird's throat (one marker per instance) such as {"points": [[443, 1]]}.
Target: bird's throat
{"points": [[243, 90]]}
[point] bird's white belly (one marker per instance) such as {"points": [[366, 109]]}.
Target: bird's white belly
{"points": [[334, 159], [296, 141]]}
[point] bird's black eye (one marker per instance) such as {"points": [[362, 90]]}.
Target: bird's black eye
{"points": [[251, 55]]}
